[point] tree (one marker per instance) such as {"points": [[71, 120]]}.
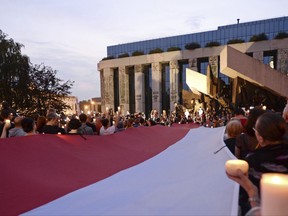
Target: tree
{"points": [[157, 50], [192, 46], [171, 49], [14, 72], [212, 44], [235, 41], [124, 55], [46, 90], [259, 37], [29, 88], [137, 53], [281, 35]]}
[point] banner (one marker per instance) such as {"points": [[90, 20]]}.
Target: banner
{"points": [[141, 171]]}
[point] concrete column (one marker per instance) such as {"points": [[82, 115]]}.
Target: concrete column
{"points": [[282, 61], [174, 71], [107, 92], [156, 86], [124, 89], [139, 89], [235, 88]]}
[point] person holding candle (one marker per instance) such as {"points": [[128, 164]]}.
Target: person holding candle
{"points": [[7, 123], [252, 191], [272, 154]]}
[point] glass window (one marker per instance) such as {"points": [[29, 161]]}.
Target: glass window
{"points": [[270, 58], [184, 81], [225, 78], [202, 64]]}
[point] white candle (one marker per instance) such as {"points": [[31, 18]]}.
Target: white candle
{"points": [[119, 108], [232, 166], [274, 194]]}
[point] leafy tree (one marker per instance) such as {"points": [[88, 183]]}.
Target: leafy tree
{"points": [[14, 73], [191, 46], [46, 90], [124, 55], [259, 37], [157, 50], [212, 44], [108, 57], [27, 88], [281, 35], [171, 49], [137, 53], [235, 41]]}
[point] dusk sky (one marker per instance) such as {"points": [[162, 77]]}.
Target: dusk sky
{"points": [[71, 36]]}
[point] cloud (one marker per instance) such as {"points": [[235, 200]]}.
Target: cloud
{"points": [[69, 64]]}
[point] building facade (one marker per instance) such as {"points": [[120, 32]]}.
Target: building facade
{"points": [[90, 107], [71, 101], [204, 74]]}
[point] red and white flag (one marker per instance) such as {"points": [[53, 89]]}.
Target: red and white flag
{"points": [[141, 171]]}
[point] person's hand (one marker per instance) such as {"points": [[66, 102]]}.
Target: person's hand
{"points": [[243, 180], [7, 125]]}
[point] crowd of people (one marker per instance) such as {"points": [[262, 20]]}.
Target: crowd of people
{"points": [[256, 135], [12, 125], [261, 139]]}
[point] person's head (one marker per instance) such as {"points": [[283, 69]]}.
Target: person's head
{"points": [[89, 118], [17, 121], [5, 105], [52, 118], [35, 116], [6, 114], [251, 121], [270, 129], [51, 110], [142, 121], [120, 125], [28, 125], [82, 117], [41, 121], [238, 111], [74, 124], [105, 122], [234, 128]]}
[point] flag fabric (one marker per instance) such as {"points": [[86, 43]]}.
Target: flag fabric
{"points": [[141, 171]]}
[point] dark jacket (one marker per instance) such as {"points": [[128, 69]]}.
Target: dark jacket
{"points": [[268, 159], [51, 129]]}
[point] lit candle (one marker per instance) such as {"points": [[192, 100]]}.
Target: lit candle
{"points": [[274, 194], [119, 108], [232, 166]]}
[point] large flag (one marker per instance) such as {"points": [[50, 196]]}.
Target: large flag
{"points": [[141, 171]]}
